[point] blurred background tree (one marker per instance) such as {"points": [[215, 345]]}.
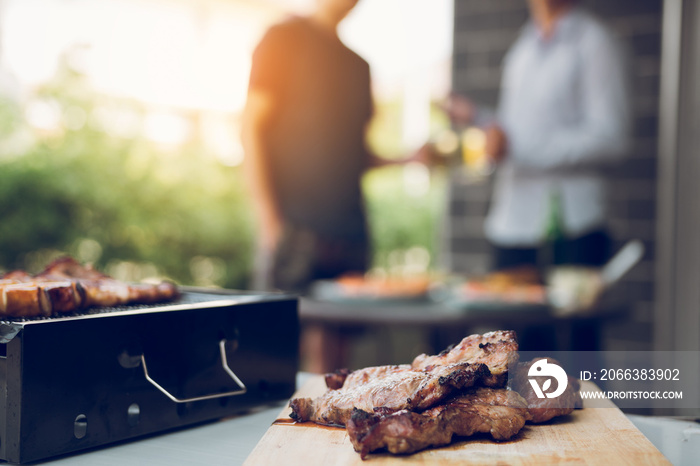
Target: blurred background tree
{"points": [[126, 204], [125, 150]]}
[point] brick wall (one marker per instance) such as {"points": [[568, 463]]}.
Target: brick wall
{"points": [[482, 34]]}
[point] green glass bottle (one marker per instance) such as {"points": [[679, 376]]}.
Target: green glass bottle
{"points": [[553, 253]]}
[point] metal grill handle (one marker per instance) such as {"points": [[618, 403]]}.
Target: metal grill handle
{"points": [[224, 364]]}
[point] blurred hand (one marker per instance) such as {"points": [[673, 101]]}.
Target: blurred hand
{"points": [[460, 110], [428, 155], [496, 143]]}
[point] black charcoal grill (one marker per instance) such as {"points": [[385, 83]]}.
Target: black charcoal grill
{"points": [[85, 380]]}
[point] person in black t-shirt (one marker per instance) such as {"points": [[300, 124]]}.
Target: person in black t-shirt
{"points": [[309, 102]]}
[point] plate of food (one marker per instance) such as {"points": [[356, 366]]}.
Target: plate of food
{"points": [[517, 288], [374, 288], [471, 404]]}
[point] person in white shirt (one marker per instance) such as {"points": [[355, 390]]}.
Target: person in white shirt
{"points": [[563, 116]]}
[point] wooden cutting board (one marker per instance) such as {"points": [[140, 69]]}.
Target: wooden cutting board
{"points": [[590, 436]]}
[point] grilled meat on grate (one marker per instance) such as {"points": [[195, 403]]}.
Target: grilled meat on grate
{"points": [[67, 286], [103, 290]]}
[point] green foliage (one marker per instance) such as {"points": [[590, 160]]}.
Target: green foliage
{"points": [[404, 212], [100, 198], [57, 197], [10, 117], [402, 217]]}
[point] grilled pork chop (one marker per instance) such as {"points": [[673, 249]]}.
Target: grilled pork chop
{"points": [[406, 408], [498, 350], [499, 412], [392, 388]]}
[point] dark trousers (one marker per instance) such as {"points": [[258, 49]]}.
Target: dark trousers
{"points": [[303, 256], [592, 249]]}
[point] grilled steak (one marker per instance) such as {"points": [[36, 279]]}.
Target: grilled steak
{"points": [[498, 350], [499, 412], [459, 392], [392, 389], [544, 409]]}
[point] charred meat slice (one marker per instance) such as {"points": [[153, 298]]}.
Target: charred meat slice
{"points": [[39, 298], [55, 295], [499, 412], [336, 379], [23, 300], [393, 391], [544, 409], [64, 296], [100, 289], [498, 350], [68, 267]]}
